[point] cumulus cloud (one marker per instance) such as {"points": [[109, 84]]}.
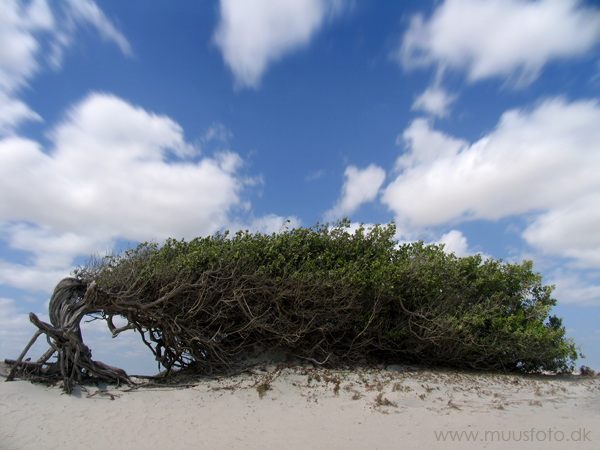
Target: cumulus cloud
{"points": [[109, 155], [360, 186], [506, 38], [542, 161], [252, 34], [435, 101], [115, 171]]}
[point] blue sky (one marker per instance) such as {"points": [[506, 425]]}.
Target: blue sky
{"points": [[474, 123]]}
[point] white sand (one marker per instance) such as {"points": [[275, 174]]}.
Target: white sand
{"points": [[306, 408]]}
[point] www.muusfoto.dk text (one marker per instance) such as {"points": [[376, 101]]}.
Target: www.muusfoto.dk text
{"points": [[532, 435]]}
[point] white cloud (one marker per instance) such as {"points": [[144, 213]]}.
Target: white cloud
{"points": [[507, 38], [217, 132], [571, 230], [360, 186], [425, 145], [115, 171], [314, 175], [12, 113], [271, 223], [87, 12], [12, 319], [50, 251], [31, 277], [26, 26], [31, 32], [435, 100], [19, 24], [576, 288], [16, 330], [252, 34], [120, 171], [455, 242], [544, 160]]}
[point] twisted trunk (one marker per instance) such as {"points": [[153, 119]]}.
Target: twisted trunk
{"points": [[70, 302]]}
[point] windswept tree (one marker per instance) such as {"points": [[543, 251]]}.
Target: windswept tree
{"points": [[323, 294]]}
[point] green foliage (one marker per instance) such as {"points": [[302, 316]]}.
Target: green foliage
{"points": [[331, 294]]}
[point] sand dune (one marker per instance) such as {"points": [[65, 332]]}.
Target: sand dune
{"points": [[282, 407]]}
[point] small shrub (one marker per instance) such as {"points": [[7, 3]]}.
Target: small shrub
{"points": [[380, 400], [262, 389]]}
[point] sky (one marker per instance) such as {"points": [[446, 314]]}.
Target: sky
{"points": [[472, 123]]}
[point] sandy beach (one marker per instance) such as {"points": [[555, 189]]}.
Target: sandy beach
{"points": [[291, 407]]}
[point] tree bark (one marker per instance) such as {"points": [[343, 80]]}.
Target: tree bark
{"points": [[70, 302]]}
